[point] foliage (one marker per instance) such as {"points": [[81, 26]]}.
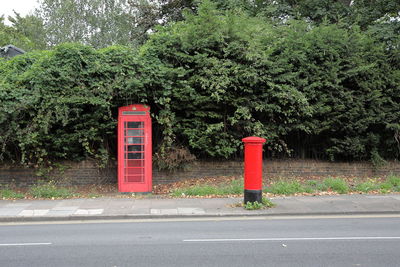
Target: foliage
{"points": [[368, 12], [174, 158], [376, 160], [49, 190], [57, 104], [201, 190], [233, 188], [312, 186], [394, 180], [265, 203], [10, 35], [392, 184], [287, 188], [224, 84], [7, 193], [253, 205], [311, 87], [323, 91], [363, 13], [98, 23], [31, 27], [336, 184], [349, 110], [367, 186]]}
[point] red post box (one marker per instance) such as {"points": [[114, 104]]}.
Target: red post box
{"points": [[134, 149], [253, 148]]}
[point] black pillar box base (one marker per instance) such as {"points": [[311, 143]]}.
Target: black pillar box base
{"points": [[252, 196]]}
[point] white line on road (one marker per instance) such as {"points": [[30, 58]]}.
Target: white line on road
{"points": [[213, 219], [294, 239], [25, 244]]}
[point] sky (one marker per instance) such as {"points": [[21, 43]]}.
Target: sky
{"points": [[21, 6]]}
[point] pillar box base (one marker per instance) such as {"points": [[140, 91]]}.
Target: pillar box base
{"points": [[252, 196]]}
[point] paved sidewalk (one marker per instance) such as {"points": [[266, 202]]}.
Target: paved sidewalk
{"points": [[123, 208]]}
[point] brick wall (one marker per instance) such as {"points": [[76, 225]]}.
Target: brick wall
{"points": [[68, 173], [282, 168], [87, 172]]}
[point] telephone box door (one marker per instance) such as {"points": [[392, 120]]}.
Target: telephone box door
{"points": [[134, 149]]}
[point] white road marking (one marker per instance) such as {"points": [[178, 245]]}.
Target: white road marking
{"points": [[25, 244], [205, 218], [295, 239]]}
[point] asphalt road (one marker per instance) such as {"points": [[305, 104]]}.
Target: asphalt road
{"points": [[371, 241]]}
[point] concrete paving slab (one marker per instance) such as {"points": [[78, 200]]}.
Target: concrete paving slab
{"points": [[60, 212], [155, 211], [169, 211], [88, 212], [139, 211], [18, 205], [66, 208], [33, 213], [70, 203], [191, 211], [109, 208], [143, 203], [10, 211], [381, 197], [43, 204], [114, 212]]}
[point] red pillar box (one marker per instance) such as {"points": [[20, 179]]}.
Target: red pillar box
{"points": [[134, 149], [253, 148]]}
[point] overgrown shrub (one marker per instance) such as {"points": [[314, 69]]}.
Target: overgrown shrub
{"points": [[61, 104], [326, 91], [323, 91]]}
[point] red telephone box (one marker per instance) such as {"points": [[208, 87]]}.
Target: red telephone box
{"points": [[134, 149]]}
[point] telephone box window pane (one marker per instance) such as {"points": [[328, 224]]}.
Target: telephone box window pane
{"points": [[135, 132], [134, 179], [134, 155], [134, 171], [134, 163], [135, 148], [135, 124], [134, 140]]}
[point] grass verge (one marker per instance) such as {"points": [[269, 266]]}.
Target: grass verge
{"points": [[234, 187], [214, 188], [49, 190], [338, 185], [7, 193], [288, 188]]}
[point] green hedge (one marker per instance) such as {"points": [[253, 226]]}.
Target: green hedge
{"points": [[326, 91], [61, 104]]}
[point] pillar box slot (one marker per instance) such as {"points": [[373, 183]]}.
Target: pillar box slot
{"points": [[134, 149]]}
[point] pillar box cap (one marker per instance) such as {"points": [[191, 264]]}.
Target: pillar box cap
{"points": [[253, 139]]}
